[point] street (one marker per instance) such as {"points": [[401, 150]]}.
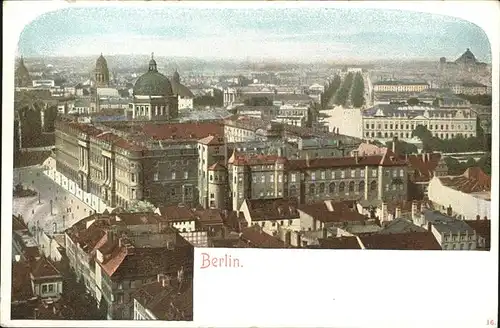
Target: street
{"points": [[67, 209]]}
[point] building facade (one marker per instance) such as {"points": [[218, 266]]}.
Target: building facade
{"points": [[399, 86]]}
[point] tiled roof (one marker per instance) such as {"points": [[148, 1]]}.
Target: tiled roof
{"points": [[209, 216], [172, 302], [212, 140], [147, 261], [401, 241], [138, 218], [176, 213], [183, 131], [483, 229], [399, 225], [424, 165], [346, 242], [21, 285], [272, 209], [42, 268], [18, 224], [345, 211], [473, 180], [216, 167], [255, 237]]}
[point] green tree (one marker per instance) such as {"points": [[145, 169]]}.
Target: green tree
{"points": [[413, 101], [402, 147], [343, 93], [358, 91]]}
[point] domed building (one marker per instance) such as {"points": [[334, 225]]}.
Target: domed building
{"points": [[153, 98], [22, 76], [101, 72], [184, 96]]}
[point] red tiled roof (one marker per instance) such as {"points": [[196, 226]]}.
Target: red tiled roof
{"points": [[346, 242], [326, 163], [257, 238], [401, 241], [176, 213], [212, 140], [183, 131], [483, 229], [423, 165], [272, 209], [210, 216], [473, 180], [345, 211], [216, 167], [138, 218]]}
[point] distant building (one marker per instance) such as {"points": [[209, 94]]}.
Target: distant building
{"points": [[400, 86], [43, 83], [388, 121], [470, 88], [101, 73], [467, 62], [184, 96]]}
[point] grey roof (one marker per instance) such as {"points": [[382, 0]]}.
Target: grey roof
{"points": [[401, 225], [446, 224]]}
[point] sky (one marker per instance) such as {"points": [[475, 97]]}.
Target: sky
{"points": [[253, 34]]}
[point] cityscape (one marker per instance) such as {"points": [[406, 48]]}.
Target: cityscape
{"points": [[127, 159]]}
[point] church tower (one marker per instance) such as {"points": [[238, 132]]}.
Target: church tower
{"points": [[22, 76], [101, 73]]}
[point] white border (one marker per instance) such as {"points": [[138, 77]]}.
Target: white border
{"points": [[18, 14]]}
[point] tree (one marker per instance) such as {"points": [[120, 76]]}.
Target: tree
{"points": [[402, 147], [485, 163], [358, 91], [413, 101], [422, 132], [343, 93]]}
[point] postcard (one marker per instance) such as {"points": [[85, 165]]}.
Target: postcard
{"points": [[270, 164]]}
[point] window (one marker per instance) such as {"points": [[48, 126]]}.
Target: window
{"points": [[401, 173], [342, 174], [155, 177], [293, 177], [290, 222], [312, 189], [331, 188], [362, 173], [271, 178], [44, 289], [394, 173], [387, 187], [280, 178], [351, 186], [373, 185], [361, 186], [313, 176], [212, 196], [263, 224], [186, 174], [374, 172], [173, 176], [342, 187], [353, 173], [132, 177], [172, 191], [263, 179], [51, 288], [321, 188]]}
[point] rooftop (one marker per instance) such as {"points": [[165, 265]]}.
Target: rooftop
{"points": [[255, 237], [346, 242], [446, 224], [483, 229], [473, 180], [334, 212], [401, 241], [272, 209]]}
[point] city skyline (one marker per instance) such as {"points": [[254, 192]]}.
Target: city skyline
{"points": [[253, 34]]}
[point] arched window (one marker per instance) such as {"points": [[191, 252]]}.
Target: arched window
{"points": [[351, 186], [361, 186], [312, 188], [342, 187], [293, 190], [373, 185], [331, 188], [321, 188]]}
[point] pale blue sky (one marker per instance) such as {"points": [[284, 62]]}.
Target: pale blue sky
{"points": [[315, 33]]}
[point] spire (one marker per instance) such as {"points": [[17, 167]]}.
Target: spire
{"points": [[176, 76], [152, 64]]}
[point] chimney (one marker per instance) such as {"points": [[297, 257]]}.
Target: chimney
{"points": [[413, 210], [394, 141], [356, 155], [397, 215], [18, 258], [429, 226], [55, 227], [428, 157], [449, 211], [324, 233], [307, 159]]}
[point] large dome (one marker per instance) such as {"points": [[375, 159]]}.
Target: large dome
{"points": [[153, 83]]}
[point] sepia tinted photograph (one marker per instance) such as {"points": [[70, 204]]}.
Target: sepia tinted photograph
{"points": [[142, 133]]}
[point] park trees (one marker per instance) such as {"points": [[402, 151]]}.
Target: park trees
{"points": [[358, 91]]}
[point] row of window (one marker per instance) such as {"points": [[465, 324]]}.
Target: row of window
{"points": [[461, 246], [173, 176], [444, 127], [409, 135]]}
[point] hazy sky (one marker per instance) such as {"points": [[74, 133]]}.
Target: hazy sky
{"points": [[288, 34]]}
